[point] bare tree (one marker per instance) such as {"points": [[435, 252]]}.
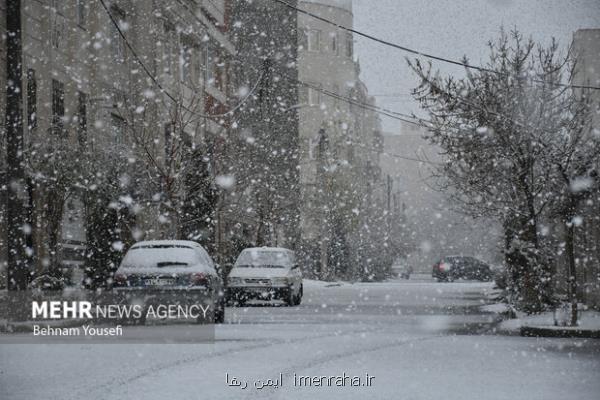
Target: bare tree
{"points": [[498, 128]]}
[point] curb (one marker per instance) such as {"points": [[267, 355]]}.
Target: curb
{"points": [[538, 331]]}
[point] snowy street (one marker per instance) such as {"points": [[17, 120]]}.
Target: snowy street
{"points": [[419, 339]]}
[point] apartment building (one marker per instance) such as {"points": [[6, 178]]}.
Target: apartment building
{"points": [[117, 79], [338, 129]]}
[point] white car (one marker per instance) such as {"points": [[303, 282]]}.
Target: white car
{"points": [[265, 273], [170, 272]]}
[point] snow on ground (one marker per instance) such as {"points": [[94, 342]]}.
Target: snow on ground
{"points": [[497, 308], [417, 338], [587, 320]]}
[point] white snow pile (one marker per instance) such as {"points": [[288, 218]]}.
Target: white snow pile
{"points": [[499, 308], [315, 283], [588, 320]]}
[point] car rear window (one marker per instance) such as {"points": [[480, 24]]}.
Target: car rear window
{"points": [[263, 259], [160, 256]]}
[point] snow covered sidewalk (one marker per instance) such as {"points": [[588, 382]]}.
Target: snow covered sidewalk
{"points": [[543, 324]]}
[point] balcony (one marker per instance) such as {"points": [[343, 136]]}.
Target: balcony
{"points": [[215, 9]]}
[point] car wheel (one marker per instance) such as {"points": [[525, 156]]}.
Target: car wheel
{"points": [[299, 297], [289, 298], [219, 313]]}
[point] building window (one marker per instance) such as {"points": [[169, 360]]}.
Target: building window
{"points": [[334, 44], [168, 48], [350, 95], [303, 94], [314, 95], [58, 6], [168, 140], [57, 30], [117, 129], [31, 100], [82, 117], [214, 65], [81, 13], [221, 72], [314, 40], [58, 106], [349, 45], [185, 63], [200, 64], [303, 40], [336, 90], [116, 41]]}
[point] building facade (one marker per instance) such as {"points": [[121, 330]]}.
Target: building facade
{"points": [[340, 136], [586, 47], [109, 88], [262, 210]]}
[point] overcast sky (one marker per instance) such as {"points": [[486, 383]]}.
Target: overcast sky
{"points": [[451, 29]]}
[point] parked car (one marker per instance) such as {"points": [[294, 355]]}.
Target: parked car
{"points": [[47, 282], [171, 272], [451, 268], [402, 270], [265, 273]]}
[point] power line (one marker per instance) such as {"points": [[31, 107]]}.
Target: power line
{"points": [[369, 107], [417, 52], [388, 113], [391, 95], [159, 85]]}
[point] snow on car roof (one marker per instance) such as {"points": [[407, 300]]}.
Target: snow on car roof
{"points": [[174, 243], [273, 249]]}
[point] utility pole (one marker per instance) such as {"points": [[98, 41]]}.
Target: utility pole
{"points": [[389, 194], [323, 184], [15, 211]]}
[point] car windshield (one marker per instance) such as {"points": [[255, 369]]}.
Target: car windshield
{"points": [[159, 256], [456, 261], [263, 259]]}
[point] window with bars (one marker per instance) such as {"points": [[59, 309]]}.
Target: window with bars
{"points": [[314, 95], [57, 30], [168, 140], [303, 94], [82, 99], [116, 41], [117, 129], [58, 106], [314, 40], [349, 45], [303, 39], [185, 62], [208, 64], [214, 64], [81, 13], [334, 44], [58, 6], [168, 47], [31, 99]]}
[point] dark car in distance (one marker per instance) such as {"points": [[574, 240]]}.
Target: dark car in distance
{"points": [[451, 268]]}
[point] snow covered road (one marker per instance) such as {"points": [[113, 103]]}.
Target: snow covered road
{"points": [[419, 340]]}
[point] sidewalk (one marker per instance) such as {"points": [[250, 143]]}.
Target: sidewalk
{"points": [[542, 325]]}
